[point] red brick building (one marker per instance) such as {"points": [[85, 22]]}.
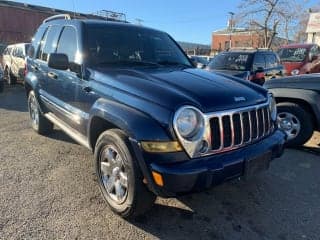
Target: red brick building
{"points": [[19, 21], [240, 38]]}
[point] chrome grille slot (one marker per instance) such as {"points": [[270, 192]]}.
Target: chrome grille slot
{"points": [[237, 128]]}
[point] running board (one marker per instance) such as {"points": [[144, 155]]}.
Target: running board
{"points": [[74, 134]]}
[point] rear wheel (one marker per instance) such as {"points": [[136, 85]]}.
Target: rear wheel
{"points": [[119, 177], [296, 122], [39, 123], [1, 86], [11, 79]]}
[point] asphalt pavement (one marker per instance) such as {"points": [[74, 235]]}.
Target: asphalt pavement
{"points": [[48, 190]]}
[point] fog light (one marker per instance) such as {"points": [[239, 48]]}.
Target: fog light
{"points": [[157, 178], [161, 146]]}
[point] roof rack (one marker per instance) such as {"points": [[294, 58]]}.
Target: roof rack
{"points": [[59, 16]]}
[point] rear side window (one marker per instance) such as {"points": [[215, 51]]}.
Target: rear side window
{"points": [[36, 42], [50, 42], [259, 61], [41, 45], [68, 43]]}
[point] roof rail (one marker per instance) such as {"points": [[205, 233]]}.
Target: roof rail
{"points": [[59, 16]]}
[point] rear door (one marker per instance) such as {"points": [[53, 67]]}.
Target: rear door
{"points": [[48, 45]]}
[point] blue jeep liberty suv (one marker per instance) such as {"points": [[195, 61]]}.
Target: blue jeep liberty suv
{"points": [[157, 125]]}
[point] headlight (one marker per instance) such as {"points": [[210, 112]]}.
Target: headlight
{"points": [[188, 122], [295, 72], [272, 107]]}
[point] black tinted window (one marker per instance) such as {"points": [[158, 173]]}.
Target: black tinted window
{"points": [[51, 42], [68, 43], [130, 45], [231, 61], [271, 61], [41, 45], [259, 61]]}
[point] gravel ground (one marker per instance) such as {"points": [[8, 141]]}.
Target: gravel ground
{"points": [[49, 191]]}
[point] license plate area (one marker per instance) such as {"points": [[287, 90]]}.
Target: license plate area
{"points": [[257, 164]]}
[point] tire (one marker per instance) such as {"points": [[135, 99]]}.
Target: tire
{"points": [[38, 122], [119, 177], [11, 79], [1, 86], [296, 122]]}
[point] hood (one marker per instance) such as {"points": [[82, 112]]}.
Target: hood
{"points": [[289, 66], [172, 88], [240, 74]]}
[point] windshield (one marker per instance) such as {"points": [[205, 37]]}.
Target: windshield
{"points": [[231, 61], [292, 54], [114, 45]]}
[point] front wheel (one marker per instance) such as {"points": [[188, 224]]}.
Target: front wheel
{"points": [[119, 176], [39, 123], [296, 122]]}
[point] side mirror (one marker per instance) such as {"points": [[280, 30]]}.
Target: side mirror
{"points": [[58, 61]]}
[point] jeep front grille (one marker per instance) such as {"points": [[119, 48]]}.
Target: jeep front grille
{"points": [[240, 127]]}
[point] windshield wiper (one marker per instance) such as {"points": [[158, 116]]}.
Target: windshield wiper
{"points": [[172, 63]]}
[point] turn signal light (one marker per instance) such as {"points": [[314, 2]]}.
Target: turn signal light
{"points": [[157, 178]]}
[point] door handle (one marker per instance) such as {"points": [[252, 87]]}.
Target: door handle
{"points": [[52, 75], [87, 89]]}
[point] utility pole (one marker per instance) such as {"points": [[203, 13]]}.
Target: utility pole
{"points": [[230, 28]]}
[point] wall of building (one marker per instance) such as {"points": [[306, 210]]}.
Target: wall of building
{"points": [[221, 42], [19, 25]]}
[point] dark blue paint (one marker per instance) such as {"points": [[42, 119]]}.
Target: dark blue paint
{"points": [[142, 101]]}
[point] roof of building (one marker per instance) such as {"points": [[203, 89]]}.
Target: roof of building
{"points": [[103, 14], [189, 45]]}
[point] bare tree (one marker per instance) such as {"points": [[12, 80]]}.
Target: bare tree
{"points": [[269, 16]]}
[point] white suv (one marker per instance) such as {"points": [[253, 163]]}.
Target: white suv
{"points": [[13, 62]]}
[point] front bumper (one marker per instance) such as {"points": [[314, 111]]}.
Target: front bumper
{"points": [[201, 173]]}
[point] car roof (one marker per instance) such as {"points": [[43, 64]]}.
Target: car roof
{"points": [[299, 45], [99, 22]]}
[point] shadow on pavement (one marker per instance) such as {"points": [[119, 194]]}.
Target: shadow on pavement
{"points": [[203, 215], [59, 135], [13, 98]]}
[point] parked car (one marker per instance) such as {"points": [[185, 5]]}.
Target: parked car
{"points": [[255, 65], [298, 99], [300, 58], [157, 125], [1, 80], [199, 61], [14, 62]]}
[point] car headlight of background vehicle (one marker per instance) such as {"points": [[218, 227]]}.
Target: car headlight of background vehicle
{"points": [[295, 72], [273, 107], [188, 122]]}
